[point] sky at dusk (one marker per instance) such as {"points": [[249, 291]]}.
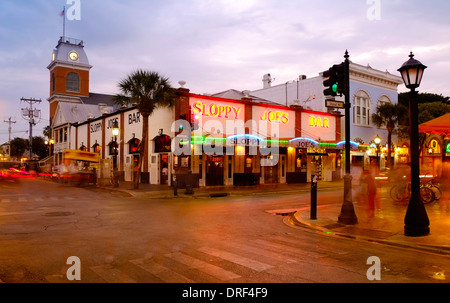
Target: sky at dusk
{"points": [[215, 45]]}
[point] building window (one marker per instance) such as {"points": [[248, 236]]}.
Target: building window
{"points": [[73, 82], [53, 82], [361, 109], [65, 134], [383, 99]]}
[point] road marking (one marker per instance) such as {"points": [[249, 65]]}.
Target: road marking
{"points": [[205, 267], [112, 275], [286, 248], [261, 252], [306, 247], [246, 262], [161, 271]]}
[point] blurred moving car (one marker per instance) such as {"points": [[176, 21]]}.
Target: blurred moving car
{"points": [[14, 174]]}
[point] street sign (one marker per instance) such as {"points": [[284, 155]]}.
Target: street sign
{"points": [[334, 104]]}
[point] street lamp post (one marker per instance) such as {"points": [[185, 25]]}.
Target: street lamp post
{"points": [[416, 218], [115, 132], [377, 141], [50, 143]]}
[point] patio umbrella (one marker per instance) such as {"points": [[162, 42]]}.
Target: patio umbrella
{"points": [[440, 125]]}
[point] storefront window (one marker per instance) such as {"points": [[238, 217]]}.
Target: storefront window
{"points": [[185, 161], [162, 144], [181, 161], [134, 146], [300, 160]]}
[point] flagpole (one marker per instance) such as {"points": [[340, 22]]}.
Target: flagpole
{"points": [[64, 23]]}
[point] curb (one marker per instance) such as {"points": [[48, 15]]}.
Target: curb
{"points": [[294, 221], [229, 192]]}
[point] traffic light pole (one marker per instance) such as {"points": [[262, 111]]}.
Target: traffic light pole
{"points": [[347, 215]]}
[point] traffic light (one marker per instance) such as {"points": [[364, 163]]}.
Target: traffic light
{"points": [[335, 81], [341, 79], [330, 81]]}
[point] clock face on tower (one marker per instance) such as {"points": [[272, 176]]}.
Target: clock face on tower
{"points": [[73, 56]]}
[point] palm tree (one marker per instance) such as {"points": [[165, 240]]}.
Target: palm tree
{"points": [[147, 90], [387, 115]]}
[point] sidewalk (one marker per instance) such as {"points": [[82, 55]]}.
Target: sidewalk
{"points": [[386, 226]]}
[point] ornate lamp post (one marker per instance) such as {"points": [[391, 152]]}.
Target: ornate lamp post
{"points": [[115, 132], [416, 218], [377, 141]]}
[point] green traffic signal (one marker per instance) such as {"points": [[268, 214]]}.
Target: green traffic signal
{"points": [[334, 87]]}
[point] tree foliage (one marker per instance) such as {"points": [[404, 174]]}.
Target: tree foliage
{"points": [[21, 146], [431, 106], [18, 147], [387, 115]]}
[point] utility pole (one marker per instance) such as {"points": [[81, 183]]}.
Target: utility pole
{"points": [[30, 114], [9, 121]]}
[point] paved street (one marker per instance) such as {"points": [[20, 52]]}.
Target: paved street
{"points": [[119, 238]]}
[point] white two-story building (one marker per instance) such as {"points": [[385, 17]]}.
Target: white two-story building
{"points": [[369, 88]]}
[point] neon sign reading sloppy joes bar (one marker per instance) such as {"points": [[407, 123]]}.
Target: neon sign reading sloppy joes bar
{"points": [[216, 110]]}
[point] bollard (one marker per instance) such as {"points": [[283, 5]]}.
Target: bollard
{"points": [[174, 184], [189, 186], [313, 197]]}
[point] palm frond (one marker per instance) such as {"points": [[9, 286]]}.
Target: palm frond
{"points": [[147, 89]]}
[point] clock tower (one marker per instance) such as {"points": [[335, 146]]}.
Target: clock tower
{"points": [[69, 73]]}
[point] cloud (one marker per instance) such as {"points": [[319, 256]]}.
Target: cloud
{"points": [[215, 45]]}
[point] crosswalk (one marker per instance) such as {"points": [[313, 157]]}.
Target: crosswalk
{"points": [[233, 261]]}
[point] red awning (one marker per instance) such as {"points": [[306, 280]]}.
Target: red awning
{"points": [[440, 125]]}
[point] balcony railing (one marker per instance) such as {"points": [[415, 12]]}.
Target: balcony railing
{"points": [[70, 41]]}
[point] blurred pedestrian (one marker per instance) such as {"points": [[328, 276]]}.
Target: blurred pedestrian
{"points": [[371, 190]]}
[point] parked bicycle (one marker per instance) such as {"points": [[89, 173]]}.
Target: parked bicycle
{"points": [[402, 191], [434, 185]]}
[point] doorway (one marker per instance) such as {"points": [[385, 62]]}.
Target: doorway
{"points": [[164, 168], [271, 171], [214, 170]]}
